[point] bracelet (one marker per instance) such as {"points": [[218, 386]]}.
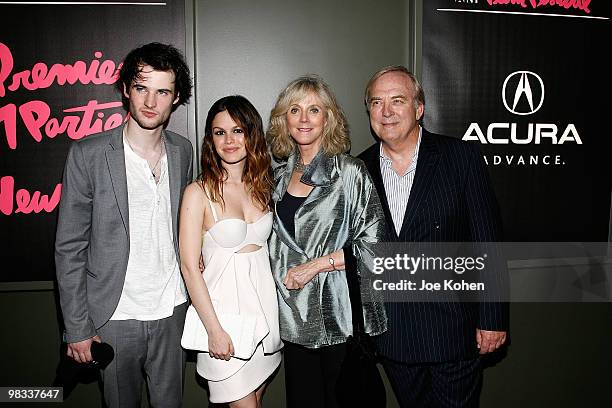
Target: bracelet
{"points": [[332, 263]]}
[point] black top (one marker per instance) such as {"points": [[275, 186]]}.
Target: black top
{"points": [[286, 209]]}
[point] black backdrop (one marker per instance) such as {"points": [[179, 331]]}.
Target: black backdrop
{"points": [[33, 146], [468, 53], [466, 59]]}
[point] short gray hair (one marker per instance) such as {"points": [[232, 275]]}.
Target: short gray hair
{"points": [[419, 94]]}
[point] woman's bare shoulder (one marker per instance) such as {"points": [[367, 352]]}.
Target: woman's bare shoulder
{"points": [[195, 191]]}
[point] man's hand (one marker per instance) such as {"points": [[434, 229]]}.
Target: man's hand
{"points": [[81, 350], [489, 341]]}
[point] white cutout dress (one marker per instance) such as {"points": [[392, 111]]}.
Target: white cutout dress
{"points": [[241, 284]]}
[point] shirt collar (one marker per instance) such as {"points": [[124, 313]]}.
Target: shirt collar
{"points": [[318, 172], [133, 156], [415, 156]]}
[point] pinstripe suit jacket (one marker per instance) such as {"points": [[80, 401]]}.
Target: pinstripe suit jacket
{"points": [[451, 200]]}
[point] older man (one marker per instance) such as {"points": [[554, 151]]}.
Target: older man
{"points": [[433, 189]]}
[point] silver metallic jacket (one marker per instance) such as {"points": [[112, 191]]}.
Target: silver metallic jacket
{"points": [[342, 209]]}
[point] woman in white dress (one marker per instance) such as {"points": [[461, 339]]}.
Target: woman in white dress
{"points": [[225, 216]]}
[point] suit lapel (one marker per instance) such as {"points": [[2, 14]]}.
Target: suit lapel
{"points": [[372, 161], [115, 161], [174, 180], [284, 235], [282, 176], [318, 175], [427, 163]]}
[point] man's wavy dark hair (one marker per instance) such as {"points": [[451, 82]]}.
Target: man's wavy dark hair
{"points": [[162, 57]]}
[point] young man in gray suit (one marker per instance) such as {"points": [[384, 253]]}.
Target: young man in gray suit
{"points": [[116, 249]]}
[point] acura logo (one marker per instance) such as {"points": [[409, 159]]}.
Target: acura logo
{"points": [[528, 94]]}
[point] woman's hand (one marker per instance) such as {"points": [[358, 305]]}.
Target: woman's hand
{"points": [[220, 345], [298, 276]]}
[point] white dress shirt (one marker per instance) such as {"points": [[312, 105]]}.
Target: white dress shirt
{"points": [[397, 187], [153, 284]]}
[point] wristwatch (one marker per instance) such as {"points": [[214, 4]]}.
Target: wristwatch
{"points": [[331, 262]]}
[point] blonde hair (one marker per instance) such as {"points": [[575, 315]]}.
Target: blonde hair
{"points": [[335, 138]]}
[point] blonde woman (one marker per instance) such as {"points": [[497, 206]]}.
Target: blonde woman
{"points": [[324, 202]]}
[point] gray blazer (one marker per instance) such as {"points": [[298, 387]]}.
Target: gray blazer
{"points": [[92, 242]]}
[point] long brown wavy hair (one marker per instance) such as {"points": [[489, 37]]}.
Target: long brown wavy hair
{"points": [[257, 173]]}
